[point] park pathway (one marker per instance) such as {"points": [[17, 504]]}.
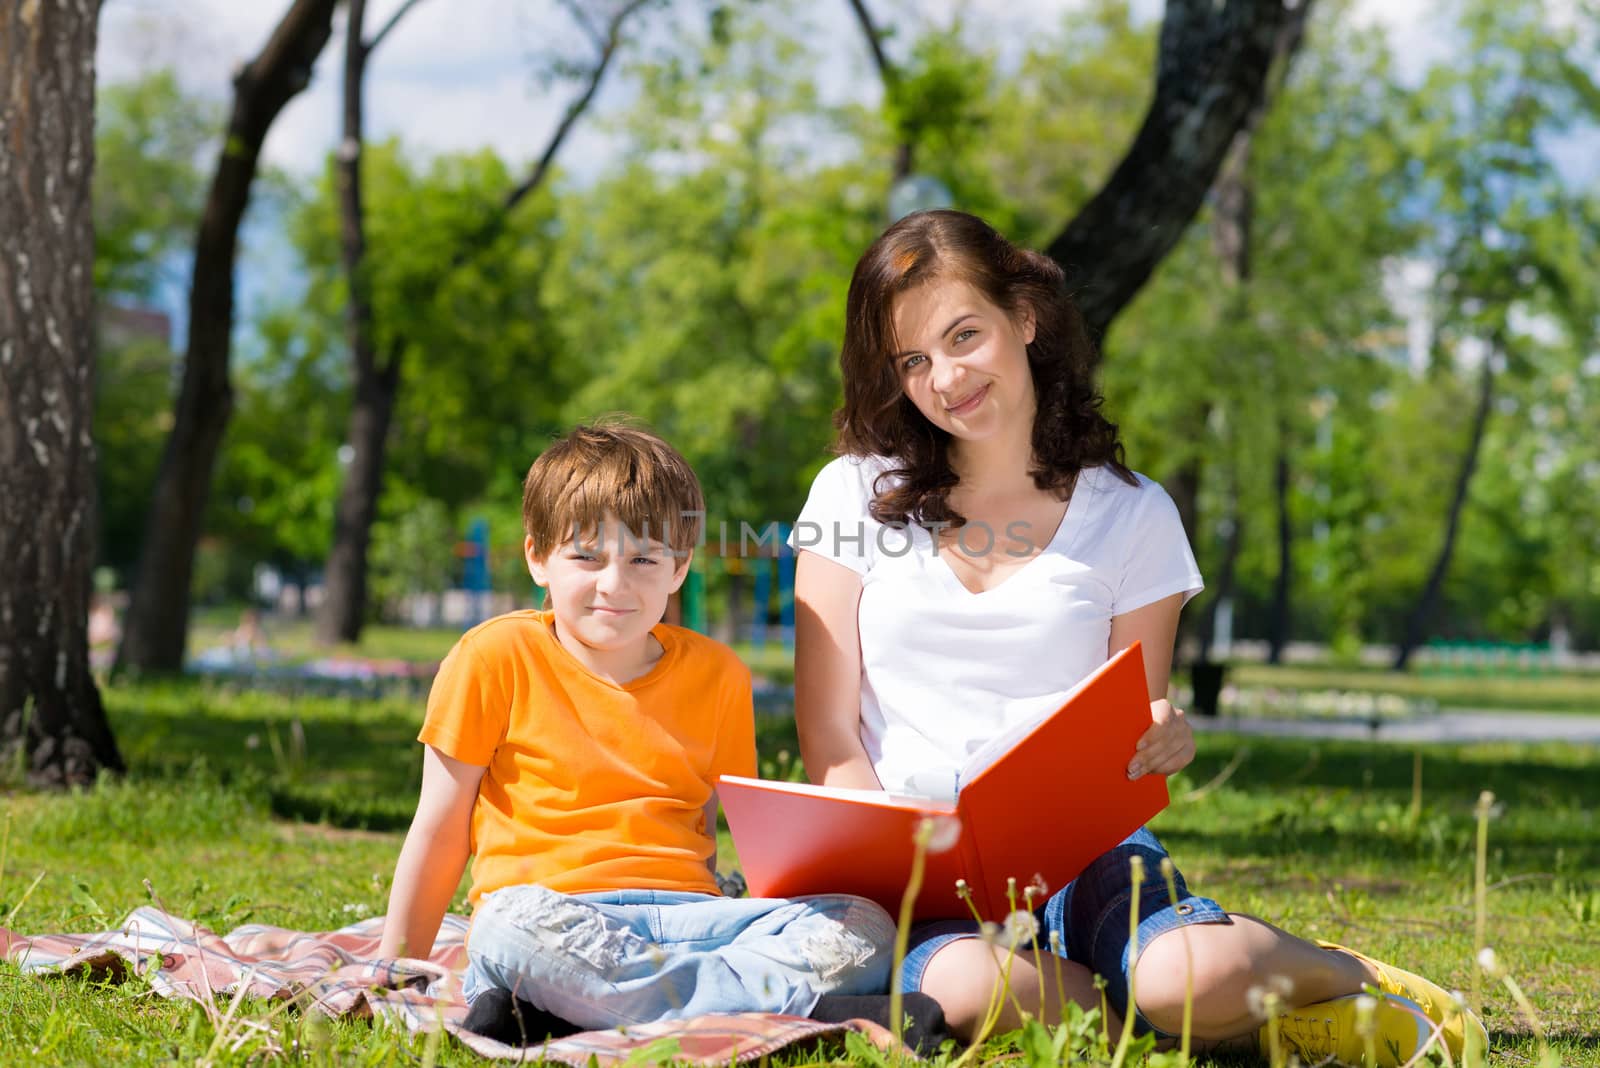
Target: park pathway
{"points": [[1451, 725]]}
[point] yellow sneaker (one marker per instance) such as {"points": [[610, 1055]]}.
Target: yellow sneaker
{"points": [[1439, 1006], [1329, 1029]]}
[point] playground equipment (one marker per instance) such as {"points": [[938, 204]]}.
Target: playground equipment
{"points": [[764, 571]]}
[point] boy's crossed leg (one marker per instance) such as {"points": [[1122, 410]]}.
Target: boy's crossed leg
{"points": [[636, 956]]}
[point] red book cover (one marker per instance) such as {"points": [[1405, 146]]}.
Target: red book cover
{"points": [[1043, 800]]}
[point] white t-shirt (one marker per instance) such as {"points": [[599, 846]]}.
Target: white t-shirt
{"points": [[942, 668]]}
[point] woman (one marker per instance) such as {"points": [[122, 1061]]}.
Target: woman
{"points": [[983, 548]]}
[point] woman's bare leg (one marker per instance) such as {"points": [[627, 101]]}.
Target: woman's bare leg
{"points": [[963, 975], [1230, 959]]}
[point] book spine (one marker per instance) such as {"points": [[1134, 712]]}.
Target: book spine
{"points": [[972, 864]]}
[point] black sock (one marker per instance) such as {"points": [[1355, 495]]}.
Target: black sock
{"points": [[498, 1015], [925, 1028]]}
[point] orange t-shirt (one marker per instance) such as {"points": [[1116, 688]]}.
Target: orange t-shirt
{"points": [[590, 785]]}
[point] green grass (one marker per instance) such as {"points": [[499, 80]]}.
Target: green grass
{"points": [[236, 815], [1574, 692]]}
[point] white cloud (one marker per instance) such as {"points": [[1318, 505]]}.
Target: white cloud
{"points": [[454, 75]]}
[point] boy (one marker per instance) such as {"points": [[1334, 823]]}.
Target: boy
{"points": [[574, 753]]}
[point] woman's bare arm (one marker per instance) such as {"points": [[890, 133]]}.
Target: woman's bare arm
{"points": [[1168, 745], [827, 673]]}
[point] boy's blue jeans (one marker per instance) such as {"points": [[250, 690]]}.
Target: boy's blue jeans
{"points": [[636, 956]]}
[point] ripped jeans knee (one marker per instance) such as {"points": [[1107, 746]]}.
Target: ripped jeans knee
{"points": [[634, 956]]}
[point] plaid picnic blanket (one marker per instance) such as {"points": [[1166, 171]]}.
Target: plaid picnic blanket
{"points": [[337, 973]]}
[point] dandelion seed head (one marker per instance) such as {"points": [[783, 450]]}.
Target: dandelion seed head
{"points": [[1366, 1015], [943, 832], [1255, 999], [1168, 869], [1488, 961], [1037, 889], [963, 891], [1056, 945], [990, 932], [1021, 928], [1136, 867], [1280, 985]]}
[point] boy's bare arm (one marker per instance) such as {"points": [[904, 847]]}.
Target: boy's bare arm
{"points": [[433, 857]]}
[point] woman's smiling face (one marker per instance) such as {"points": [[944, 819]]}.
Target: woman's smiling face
{"points": [[962, 360]]}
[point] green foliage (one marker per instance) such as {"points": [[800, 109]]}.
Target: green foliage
{"points": [[151, 144], [132, 416], [698, 282]]}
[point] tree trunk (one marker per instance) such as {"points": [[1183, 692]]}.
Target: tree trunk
{"points": [[889, 75], [1278, 629], [157, 623], [52, 724], [1222, 589], [344, 603], [345, 580], [1212, 75], [1421, 618], [377, 386]]}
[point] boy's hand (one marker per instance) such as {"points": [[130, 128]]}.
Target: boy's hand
{"points": [[1168, 745]]}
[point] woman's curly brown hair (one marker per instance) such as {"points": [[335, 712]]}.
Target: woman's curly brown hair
{"points": [[878, 419]]}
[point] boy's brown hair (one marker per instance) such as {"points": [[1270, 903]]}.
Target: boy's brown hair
{"points": [[609, 467]]}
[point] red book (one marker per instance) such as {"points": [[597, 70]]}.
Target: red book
{"points": [[1045, 799]]}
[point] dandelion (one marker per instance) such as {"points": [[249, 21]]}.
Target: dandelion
{"points": [[1489, 962], [1367, 1027], [943, 832], [1021, 928], [990, 932], [963, 891], [1036, 890]]}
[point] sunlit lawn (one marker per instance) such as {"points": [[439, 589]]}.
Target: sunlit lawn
{"points": [[251, 807]]}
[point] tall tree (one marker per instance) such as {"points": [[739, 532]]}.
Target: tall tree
{"points": [[1212, 65], [157, 622], [377, 375], [52, 721], [1484, 131], [1233, 224]]}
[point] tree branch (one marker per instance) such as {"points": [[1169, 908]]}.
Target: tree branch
{"points": [[1212, 69], [377, 38], [890, 74], [608, 48], [581, 17]]}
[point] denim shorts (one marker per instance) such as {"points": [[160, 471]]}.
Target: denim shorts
{"points": [[1091, 915]]}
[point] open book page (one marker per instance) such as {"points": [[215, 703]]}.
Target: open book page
{"points": [[864, 796], [1006, 740], [794, 839], [1061, 796]]}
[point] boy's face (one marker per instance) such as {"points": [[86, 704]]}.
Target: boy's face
{"points": [[608, 587]]}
